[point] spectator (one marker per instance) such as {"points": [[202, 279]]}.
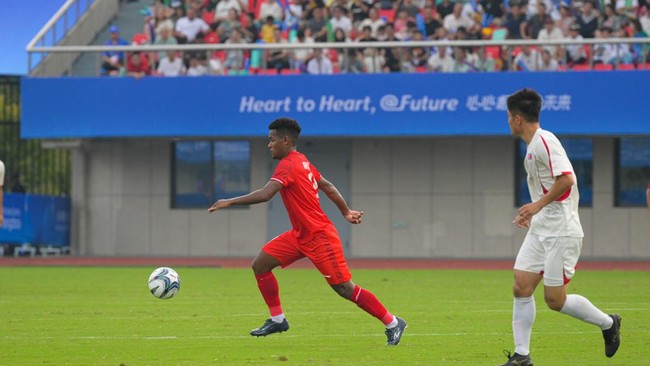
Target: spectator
{"points": [[360, 10], [612, 19], [153, 26], [549, 63], [445, 8], [177, 11], [318, 25], [310, 6], [481, 62], [250, 30], [319, 64], [575, 53], [515, 22], [366, 35], [411, 9], [341, 21], [234, 58], [566, 19], [138, 65], [494, 8], [113, 61], [536, 22], [165, 38], [374, 62], [640, 50], [293, 14], [550, 33], [419, 55], [645, 19], [197, 67], [278, 58], [587, 20], [227, 25], [460, 61], [391, 55], [401, 25], [299, 56], [431, 24], [221, 11], [271, 8], [216, 67], [604, 53], [441, 61], [373, 21], [188, 27], [456, 19], [628, 8], [267, 29], [528, 59], [171, 65]]}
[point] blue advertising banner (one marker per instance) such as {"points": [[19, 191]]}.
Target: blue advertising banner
{"points": [[575, 103], [36, 220]]}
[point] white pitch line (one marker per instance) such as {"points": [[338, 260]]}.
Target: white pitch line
{"points": [[459, 334]]}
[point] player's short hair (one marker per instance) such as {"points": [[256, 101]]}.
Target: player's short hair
{"points": [[286, 126], [527, 103]]}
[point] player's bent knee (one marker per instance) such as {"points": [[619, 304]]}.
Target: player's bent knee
{"points": [[554, 303], [519, 290], [345, 290]]}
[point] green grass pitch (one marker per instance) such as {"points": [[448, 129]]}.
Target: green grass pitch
{"points": [[106, 316]]}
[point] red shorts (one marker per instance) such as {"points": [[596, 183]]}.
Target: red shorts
{"points": [[324, 250]]}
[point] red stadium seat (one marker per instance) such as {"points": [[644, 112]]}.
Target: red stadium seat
{"points": [[493, 52], [139, 39], [289, 72], [626, 67], [421, 69], [645, 66], [603, 67], [581, 67], [388, 14], [267, 72], [208, 16]]}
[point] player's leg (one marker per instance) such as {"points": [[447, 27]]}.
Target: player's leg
{"points": [[562, 257], [279, 251], [528, 265], [326, 252]]}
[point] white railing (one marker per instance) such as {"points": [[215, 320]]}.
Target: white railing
{"points": [[507, 45], [56, 29]]}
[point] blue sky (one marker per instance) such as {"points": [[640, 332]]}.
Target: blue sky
{"points": [[20, 20]]}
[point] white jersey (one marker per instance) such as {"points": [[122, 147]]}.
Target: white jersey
{"points": [[546, 159], [2, 174]]}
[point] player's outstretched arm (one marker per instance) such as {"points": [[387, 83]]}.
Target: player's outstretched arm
{"points": [[261, 195], [334, 195]]}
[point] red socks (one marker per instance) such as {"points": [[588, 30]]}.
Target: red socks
{"points": [[270, 290], [369, 303]]}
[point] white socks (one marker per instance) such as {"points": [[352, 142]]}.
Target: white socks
{"points": [[523, 317], [580, 308], [278, 318]]}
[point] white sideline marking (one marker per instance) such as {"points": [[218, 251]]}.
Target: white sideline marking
{"points": [[473, 334]]}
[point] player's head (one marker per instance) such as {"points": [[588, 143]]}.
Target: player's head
{"points": [[283, 136], [523, 108]]}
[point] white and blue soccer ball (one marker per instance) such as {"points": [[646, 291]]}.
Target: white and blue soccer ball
{"points": [[164, 283]]}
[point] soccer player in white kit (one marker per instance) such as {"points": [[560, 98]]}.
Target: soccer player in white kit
{"points": [[552, 246]]}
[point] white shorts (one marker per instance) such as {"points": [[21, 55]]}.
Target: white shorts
{"points": [[554, 257]]}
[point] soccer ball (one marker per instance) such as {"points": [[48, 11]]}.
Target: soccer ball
{"points": [[164, 283]]}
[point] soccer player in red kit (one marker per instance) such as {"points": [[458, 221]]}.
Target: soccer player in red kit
{"points": [[312, 235]]}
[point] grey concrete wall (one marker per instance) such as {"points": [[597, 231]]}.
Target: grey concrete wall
{"points": [[423, 198]]}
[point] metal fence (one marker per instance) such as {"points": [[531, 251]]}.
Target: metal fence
{"points": [[507, 49], [29, 167]]}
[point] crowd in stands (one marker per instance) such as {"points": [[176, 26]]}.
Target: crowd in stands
{"points": [[171, 22]]}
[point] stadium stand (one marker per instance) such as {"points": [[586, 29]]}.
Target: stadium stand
{"points": [[142, 22]]}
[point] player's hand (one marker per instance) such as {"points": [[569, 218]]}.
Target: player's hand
{"points": [[1, 220], [354, 217], [219, 205], [521, 222], [529, 210]]}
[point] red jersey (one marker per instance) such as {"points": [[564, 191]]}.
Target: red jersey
{"points": [[300, 195]]}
